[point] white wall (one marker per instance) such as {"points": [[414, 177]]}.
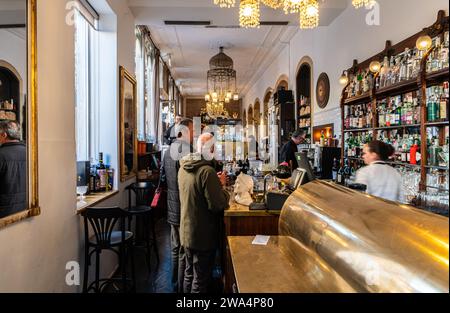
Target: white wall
{"points": [[34, 252], [14, 52], [333, 48]]}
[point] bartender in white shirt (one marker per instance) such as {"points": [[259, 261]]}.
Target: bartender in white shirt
{"points": [[381, 179]]}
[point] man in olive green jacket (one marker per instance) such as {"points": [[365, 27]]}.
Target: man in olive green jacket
{"points": [[203, 201]]}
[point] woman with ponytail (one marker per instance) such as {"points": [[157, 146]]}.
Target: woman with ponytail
{"points": [[381, 179]]}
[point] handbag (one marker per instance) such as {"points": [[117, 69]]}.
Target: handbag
{"points": [[159, 198]]}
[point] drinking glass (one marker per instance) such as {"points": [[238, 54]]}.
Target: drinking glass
{"points": [[82, 190]]}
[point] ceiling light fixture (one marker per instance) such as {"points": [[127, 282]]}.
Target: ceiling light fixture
{"points": [[249, 13], [221, 85], [274, 4], [361, 3], [225, 3], [309, 14], [249, 10], [292, 6]]}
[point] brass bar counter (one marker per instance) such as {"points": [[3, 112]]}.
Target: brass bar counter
{"points": [[333, 239]]}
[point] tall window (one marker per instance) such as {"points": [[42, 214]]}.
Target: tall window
{"points": [[145, 73], [86, 39]]}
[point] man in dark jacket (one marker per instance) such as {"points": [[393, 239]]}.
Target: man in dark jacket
{"points": [[290, 148], [179, 148], [13, 169], [203, 201]]}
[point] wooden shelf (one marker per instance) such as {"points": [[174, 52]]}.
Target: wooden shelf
{"points": [[403, 164], [437, 188], [433, 167], [357, 130], [358, 99], [399, 88], [8, 110], [305, 116], [418, 85], [437, 124], [397, 127], [437, 76]]}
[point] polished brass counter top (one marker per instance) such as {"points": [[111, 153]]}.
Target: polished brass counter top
{"points": [[272, 269]]}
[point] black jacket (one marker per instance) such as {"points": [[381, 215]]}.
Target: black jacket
{"points": [[169, 175], [288, 154], [13, 178]]}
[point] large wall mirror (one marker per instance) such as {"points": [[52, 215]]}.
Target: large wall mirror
{"points": [[128, 126], [18, 127]]}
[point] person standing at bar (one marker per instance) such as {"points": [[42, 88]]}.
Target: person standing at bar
{"points": [[179, 148], [290, 148], [203, 201], [13, 169], [381, 179], [170, 134]]}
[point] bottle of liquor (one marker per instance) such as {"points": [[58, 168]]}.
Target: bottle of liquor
{"points": [[444, 53], [347, 117], [369, 115], [413, 153], [443, 103], [434, 151], [347, 172], [102, 174], [335, 169], [340, 175], [432, 105], [384, 72]]}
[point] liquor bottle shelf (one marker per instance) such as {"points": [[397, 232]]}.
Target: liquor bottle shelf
{"points": [[357, 130], [399, 88], [8, 110], [305, 115], [434, 167], [357, 99], [403, 164], [389, 162], [397, 127], [437, 188], [436, 124], [437, 76]]}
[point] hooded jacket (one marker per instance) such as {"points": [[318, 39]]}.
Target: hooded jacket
{"points": [[203, 201]]}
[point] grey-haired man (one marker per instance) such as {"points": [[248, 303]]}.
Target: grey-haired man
{"points": [[13, 169]]}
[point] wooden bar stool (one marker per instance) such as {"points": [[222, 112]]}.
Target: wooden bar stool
{"points": [[103, 222], [142, 210]]}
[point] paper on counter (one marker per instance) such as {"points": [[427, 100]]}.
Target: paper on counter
{"points": [[261, 240]]}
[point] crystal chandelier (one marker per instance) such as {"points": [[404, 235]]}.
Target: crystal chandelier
{"points": [[249, 13], [221, 84], [292, 6], [225, 3], [249, 10], [274, 4], [309, 14], [360, 3]]}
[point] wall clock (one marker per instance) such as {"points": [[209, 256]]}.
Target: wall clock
{"points": [[323, 90]]}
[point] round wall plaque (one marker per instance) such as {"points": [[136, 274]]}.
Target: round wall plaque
{"points": [[323, 90]]}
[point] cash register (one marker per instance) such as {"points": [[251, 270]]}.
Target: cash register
{"points": [[274, 200]]}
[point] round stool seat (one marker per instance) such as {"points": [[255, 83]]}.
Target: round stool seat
{"points": [[140, 209], [116, 237]]}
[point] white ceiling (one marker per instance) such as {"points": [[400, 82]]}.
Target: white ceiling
{"points": [[13, 12], [191, 47]]}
